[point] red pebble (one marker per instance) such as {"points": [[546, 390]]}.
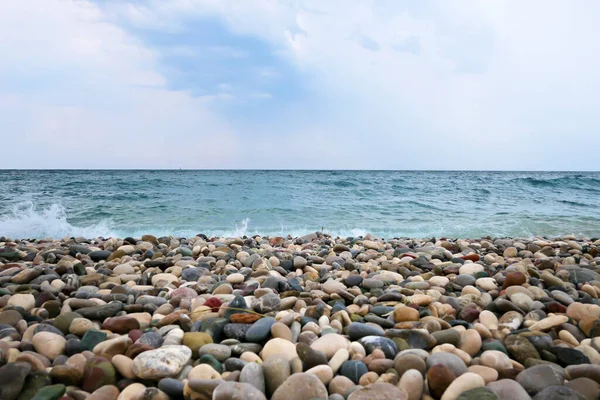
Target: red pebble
{"points": [[556, 307], [213, 303], [472, 256], [514, 279], [134, 335]]}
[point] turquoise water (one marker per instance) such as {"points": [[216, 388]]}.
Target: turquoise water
{"points": [[345, 203]]}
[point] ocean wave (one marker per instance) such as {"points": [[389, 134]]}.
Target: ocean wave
{"points": [[26, 220], [337, 183], [559, 181]]}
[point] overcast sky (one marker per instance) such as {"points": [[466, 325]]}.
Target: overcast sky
{"points": [[308, 84]]}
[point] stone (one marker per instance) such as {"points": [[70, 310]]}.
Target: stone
{"points": [[52, 392], [403, 314], [585, 387], [370, 343], [219, 351], [195, 340], [97, 372], [357, 330], [463, 383], [508, 389], [107, 392], [260, 330], [49, 344], [121, 325], [237, 390], [253, 374], [270, 302], [538, 377], [279, 347], [329, 344], [172, 387], [480, 393], [25, 301], [12, 379], [164, 362], [277, 370], [279, 330], [412, 382], [67, 375], [379, 391], [520, 348], [449, 360], [353, 370], [301, 386], [309, 356], [340, 385], [439, 378], [557, 393]]}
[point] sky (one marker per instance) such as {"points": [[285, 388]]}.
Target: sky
{"points": [[300, 84]]}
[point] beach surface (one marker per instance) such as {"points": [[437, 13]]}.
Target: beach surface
{"points": [[311, 317]]}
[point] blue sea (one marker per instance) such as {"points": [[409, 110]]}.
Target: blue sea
{"points": [[40, 204]]}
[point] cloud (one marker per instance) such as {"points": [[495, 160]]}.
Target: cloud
{"points": [[84, 93], [375, 84]]}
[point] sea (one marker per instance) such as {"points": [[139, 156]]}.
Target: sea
{"points": [[228, 203]]}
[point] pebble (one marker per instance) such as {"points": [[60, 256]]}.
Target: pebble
{"points": [[317, 317]]}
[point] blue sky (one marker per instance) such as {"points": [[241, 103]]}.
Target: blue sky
{"points": [[378, 84]]}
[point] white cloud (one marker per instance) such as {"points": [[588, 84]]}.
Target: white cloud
{"points": [[465, 84], [80, 92], [461, 84]]}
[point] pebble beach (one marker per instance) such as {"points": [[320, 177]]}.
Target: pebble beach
{"points": [[312, 317]]}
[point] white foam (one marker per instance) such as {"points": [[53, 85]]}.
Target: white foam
{"points": [[26, 220]]}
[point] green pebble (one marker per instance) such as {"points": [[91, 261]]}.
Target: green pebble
{"points": [[212, 361], [91, 338], [53, 392]]}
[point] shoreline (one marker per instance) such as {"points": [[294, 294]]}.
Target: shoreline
{"points": [[304, 317]]}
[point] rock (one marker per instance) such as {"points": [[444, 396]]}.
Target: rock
{"points": [[49, 344], [108, 392], [195, 340], [330, 343], [171, 387], [480, 393], [566, 357], [279, 330], [557, 393], [412, 382], [353, 370], [270, 302], [538, 377], [236, 390], [253, 374], [25, 301], [277, 370], [67, 375], [12, 379], [164, 362], [520, 348], [98, 372], [449, 360], [386, 345], [309, 356], [219, 351], [586, 388], [357, 330], [509, 390], [403, 314], [340, 385], [463, 383], [53, 392], [260, 330], [279, 347], [379, 391], [300, 386]]}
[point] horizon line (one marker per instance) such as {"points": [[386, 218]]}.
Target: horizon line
{"points": [[292, 170]]}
